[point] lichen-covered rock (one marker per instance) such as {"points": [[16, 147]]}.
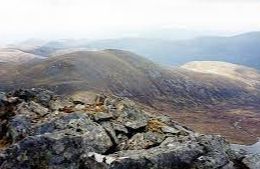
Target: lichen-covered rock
{"points": [[18, 128], [132, 118], [120, 128], [7, 104], [38, 109], [172, 155], [2, 105], [45, 131], [101, 116], [36, 94], [61, 141], [143, 141], [252, 161]]}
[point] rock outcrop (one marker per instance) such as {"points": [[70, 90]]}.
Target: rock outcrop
{"points": [[42, 130]]}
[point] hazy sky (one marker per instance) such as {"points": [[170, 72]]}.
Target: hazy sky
{"points": [[35, 18]]}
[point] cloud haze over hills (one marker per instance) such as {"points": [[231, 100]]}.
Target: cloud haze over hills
{"points": [[110, 18]]}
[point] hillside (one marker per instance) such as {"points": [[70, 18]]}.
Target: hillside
{"points": [[16, 55], [237, 118], [244, 74], [115, 70], [179, 92]]}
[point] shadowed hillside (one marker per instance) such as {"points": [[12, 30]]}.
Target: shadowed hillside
{"points": [[116, 71]]}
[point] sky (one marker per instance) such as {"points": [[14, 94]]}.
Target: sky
{"points": [[105, 18]]}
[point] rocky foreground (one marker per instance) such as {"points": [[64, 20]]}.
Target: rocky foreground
{"points": [[41, 130]]}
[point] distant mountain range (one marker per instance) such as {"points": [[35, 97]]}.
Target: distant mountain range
{"points": [[183, 92], [240, 49]]}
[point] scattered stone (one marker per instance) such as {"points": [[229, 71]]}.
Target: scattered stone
{"points": [[38, 109], [100, 99], [41, 130], [171, 130], [35, 94], [100, 116], [59, 103], [79, 107], [143, 141], [110, 130], [84, 98], [133, 118], [67, 109], [120, 128]]}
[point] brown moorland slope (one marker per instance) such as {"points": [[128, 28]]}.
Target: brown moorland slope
{"points": [[237, 72]]}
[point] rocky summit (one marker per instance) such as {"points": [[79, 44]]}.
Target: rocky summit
{"points": [[41, 130]]}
